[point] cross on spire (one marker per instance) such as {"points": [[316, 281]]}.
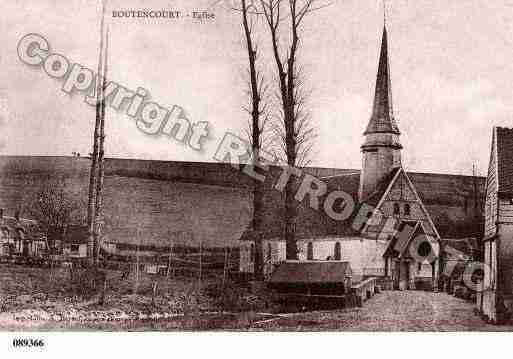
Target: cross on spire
{"points": [[385, 13]]}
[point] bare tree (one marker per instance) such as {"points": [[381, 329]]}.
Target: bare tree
{"points": [[294, 131], [54, 208], [256, 127]]}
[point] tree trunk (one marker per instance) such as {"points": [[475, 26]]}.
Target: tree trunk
{"points": [[91, 215], [258, 197], [290, 223], [101, 174], [256, 134]]}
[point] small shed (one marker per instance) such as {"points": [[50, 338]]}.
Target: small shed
{"points": [[312, 278], [75, 241]]}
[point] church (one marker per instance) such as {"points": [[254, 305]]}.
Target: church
{"points": [[400, 239], [165, 203]]}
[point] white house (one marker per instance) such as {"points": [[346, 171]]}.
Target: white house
{"points": [[496, 299]]}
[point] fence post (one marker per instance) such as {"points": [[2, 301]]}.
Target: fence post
{"points": [[154, 293], [136, 284], [200, 262], [225, 265]]}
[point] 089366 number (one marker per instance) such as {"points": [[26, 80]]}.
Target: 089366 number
{"points": [[28, 343]]}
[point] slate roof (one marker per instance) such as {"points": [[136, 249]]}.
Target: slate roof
{"points": [[505, 160], [311, 272], [391, 249], [374, 198], [464, 247], [382, 118], [76, 234]]}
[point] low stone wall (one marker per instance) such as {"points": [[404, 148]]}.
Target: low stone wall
{"points": [[364, 290]]}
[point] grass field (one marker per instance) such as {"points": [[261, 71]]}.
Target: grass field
{"points": [[44, 298]]}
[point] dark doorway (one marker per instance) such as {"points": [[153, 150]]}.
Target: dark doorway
{"points": [[337, 255]]}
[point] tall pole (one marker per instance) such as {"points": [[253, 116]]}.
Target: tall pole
{"points": [[474, 175], [169, 258], [94, 156], [225, 267], [136, 285], [200, 262], [101, 174]]}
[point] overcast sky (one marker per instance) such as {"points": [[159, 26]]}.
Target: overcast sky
{"points": [[450, 61]]}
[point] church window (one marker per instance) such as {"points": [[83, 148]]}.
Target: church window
{"points": [[424, 249], [252, 253], [407, 209], [337, 253], [269, 251], [309, 251], [396, 209]]}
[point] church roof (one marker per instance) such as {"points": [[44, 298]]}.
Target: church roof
{"points": [[374, 198], [382, 118], [505, 159]]}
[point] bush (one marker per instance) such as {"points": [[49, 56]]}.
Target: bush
{"points": [[233, 297], [86, 282]]}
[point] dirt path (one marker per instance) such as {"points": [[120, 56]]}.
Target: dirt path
{"points": [[395, 311]]}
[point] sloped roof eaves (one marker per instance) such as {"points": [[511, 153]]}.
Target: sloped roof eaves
{"points": [[374, 198], [77, 234], [311, 272], [505, 159], [463, 246]]}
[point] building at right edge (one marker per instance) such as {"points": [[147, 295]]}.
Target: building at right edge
{"points": [[496, 298]]}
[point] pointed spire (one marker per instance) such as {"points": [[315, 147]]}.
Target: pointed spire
{"points": [[382, 119]]}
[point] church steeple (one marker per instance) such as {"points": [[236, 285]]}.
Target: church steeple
{"points": [[381, 150], [382, 118]]}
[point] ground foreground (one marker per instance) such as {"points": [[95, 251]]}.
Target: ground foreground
{"points": [[394, 311], [387, 311]]}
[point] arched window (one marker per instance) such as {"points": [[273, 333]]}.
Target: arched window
{"points": [[337, 254], [309, 251], [406, 209], [396, 209], [252, 253], [269, 251]]}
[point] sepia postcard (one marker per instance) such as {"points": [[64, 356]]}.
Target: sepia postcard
{"points": [[255, 166]]}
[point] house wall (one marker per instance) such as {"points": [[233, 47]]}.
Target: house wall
{"points": [[82, 250], [505, 259], [498, 256], [491, 193], [364, 255], [488, 305], [80, 253], [490, 246]]}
